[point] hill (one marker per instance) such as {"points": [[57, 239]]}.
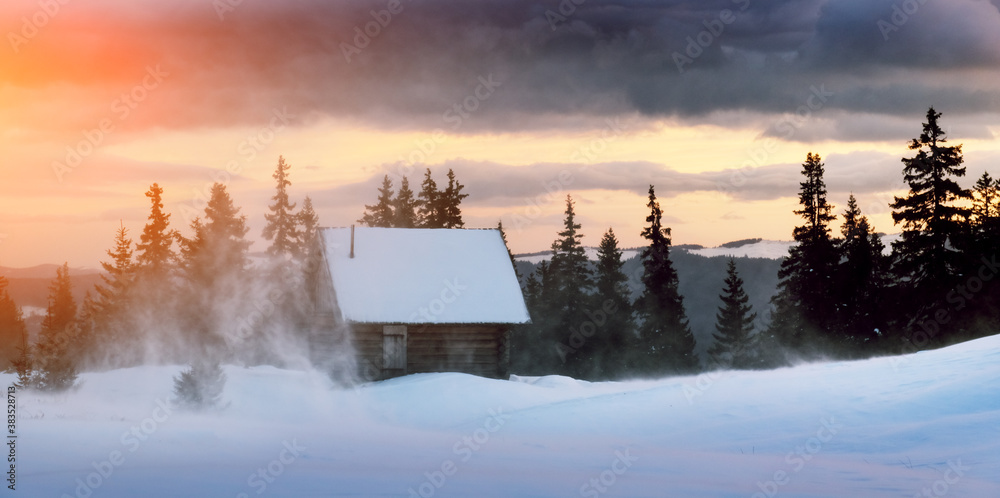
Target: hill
{"points": [[919, 425], [701, 275]]}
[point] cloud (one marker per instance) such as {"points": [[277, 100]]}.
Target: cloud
{"points": [[607, 57], [491, 184]]}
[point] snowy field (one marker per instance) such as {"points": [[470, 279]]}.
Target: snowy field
{"points": [[923, 425]]}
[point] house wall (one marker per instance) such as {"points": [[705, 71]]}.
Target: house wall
{"points": [[473, 349]]}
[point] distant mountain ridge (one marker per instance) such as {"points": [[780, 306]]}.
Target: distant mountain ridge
{"points": [[745, 248], [43, 271]]}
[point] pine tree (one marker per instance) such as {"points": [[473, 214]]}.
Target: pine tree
{"points": [[153, 294], [450, 201], [733, 325], [928, 259], [667, 344], [309, 221], [118, 273], [404, 206], [282, 226], [572, 280], [532, 346], [803, 310], [986, 207], [106, 322], [13, 333], [513, 263], [200, 387], [380, 214], [219, 246], [215, 262], [429, 209], [860, 281], [155, 255], [53, 359], [615, 337]]}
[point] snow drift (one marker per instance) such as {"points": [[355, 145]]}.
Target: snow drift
{"points": [[925, 424]]}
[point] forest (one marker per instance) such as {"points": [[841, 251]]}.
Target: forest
{"points": [[199, 299]]}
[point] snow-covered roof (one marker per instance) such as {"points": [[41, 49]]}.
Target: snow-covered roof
{"points": [[422, 275]]}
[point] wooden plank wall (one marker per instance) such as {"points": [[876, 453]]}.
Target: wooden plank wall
{"points": [[473, 349]]}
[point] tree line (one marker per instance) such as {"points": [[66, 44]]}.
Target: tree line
{"points": [[173, 298], [198, 299], [840, 297], [430, 208]]}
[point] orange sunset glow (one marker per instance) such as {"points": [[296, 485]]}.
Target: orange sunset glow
{"points": [[100, 99]]}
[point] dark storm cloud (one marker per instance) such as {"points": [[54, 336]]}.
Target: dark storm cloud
{"points": [[413, 67]]}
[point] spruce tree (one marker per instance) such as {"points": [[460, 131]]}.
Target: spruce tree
{"points": [[572, 280], [107, 321], [503, 236], [380, 214], [404, 206], [429, 208], [219, 246], [986, 207], [860, 282], [309, 222], [615, 327], [985, 234], [803, 311], [450, 201], [200, 386], [282, 226], [733, 325], [154, 253], [928, 258], [666, 342], [531, 346], [118, 273], [54, 359], [215, 262], [13, 333], [154, 293]]}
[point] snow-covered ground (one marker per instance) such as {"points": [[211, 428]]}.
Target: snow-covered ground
{"points": [[769, 249], [927, 424]]}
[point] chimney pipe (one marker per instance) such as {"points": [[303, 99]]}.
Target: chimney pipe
{"points": [[352, 241]]}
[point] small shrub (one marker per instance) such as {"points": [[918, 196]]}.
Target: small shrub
{"points": [[200, 387]]}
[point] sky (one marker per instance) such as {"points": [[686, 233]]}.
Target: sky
{"points": [[714, 102]]}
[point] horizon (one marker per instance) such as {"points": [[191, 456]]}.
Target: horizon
{"points": [[714, 103]]}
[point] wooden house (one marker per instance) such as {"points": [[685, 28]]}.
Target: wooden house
{"points": [[411, 300]]}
